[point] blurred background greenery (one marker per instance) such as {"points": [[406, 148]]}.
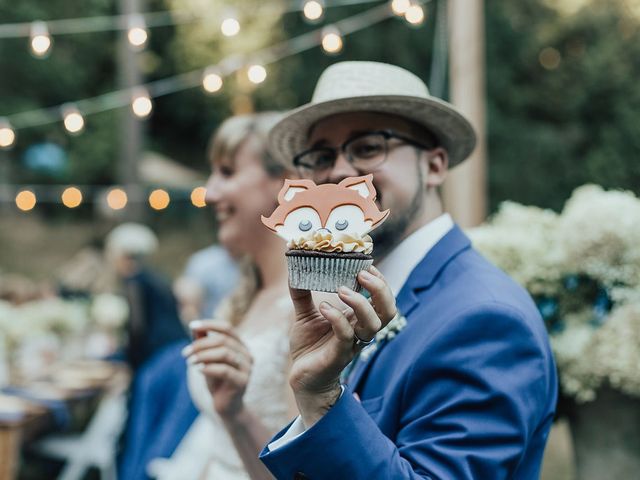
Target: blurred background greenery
{"points": [[562, 90]]}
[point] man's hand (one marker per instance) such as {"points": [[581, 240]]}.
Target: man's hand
{"points": [[323, 340]]}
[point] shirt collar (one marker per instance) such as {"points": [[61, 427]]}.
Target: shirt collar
{"points": [[400, 262]]}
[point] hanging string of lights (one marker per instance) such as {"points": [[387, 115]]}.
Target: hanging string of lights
{"points": [[211, 78], [311, 9]]}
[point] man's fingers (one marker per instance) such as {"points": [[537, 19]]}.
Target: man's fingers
{"points": [[367, 322], [339, 323], [302, 301], [381, 297]]}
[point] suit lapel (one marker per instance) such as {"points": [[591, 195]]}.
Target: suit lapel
{"points": [[422, 277]]}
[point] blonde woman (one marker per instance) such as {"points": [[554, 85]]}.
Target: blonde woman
{"points": [[239, 361]]}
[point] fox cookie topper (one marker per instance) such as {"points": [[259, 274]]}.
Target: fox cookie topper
{"points": [[346, 208]]}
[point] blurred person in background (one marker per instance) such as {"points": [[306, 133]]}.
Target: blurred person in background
{"points": [[154, 321], [239, 361], [209, 276]]}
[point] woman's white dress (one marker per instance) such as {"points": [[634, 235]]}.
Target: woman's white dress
{"points": [[207, 451]]}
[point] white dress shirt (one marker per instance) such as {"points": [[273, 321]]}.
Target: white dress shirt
{"points": [[396, 268]]}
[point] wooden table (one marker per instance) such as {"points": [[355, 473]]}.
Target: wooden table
{"points": [[38, 420]]}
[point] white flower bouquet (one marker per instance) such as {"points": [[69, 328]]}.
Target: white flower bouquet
{"points": [[582, 267]]}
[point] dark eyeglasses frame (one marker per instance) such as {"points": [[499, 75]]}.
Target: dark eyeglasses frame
{"points": [[387, 134]]}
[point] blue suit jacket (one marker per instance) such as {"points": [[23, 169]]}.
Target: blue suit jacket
{"points": [[466, 391]]}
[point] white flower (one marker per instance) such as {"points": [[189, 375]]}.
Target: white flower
{"points": [[388, 333], [109, 311]]}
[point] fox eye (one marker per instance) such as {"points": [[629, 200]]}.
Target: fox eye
{"points": [[342, 224], [304, 225]]}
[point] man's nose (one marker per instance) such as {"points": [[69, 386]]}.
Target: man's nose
{"points": [[342, 169]]}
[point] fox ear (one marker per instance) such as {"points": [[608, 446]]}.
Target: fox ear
{"points": [[293, 187], [363, 185]]}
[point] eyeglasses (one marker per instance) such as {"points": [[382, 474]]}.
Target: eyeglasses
{"points": [[365, 152]]}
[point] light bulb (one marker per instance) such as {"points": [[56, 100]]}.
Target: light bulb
{"points": [[414, 14], [141, 103], [230, 27], [400, 7], [312, 10], [211, 80], [73, 120], [257, 73], [137, 33], [117, 199], [26, 200], [198, 197], [40, 39], [159, 199], [331, 40], [7, 134], [71, 197]]}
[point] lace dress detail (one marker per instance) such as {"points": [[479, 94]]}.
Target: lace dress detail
{"points": [[207, 451]]}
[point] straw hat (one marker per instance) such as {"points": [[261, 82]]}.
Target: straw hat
{"points": [[373, 87]]}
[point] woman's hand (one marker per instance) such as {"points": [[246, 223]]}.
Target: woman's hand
{"points": [[224, 361], [323, 340]]}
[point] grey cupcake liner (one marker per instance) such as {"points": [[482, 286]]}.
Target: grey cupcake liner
{"points": [[325, 274]]}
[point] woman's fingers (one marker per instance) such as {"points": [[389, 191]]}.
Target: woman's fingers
{"points": [[219, 326], [225, 373], [382, 298], [213, 340], [222, 355]]}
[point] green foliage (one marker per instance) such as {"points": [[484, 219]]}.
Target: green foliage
{"points": [[551, 130]]}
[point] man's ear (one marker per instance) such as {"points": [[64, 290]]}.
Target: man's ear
{"points": [[437, 162]]}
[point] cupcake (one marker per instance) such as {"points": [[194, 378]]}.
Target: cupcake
{"points": [[326, 228]]}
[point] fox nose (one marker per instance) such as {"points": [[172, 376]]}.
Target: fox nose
{"points": [[323, 230]]}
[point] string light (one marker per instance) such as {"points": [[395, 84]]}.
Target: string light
{"points": [[230, 26], [159, 199], [71, 197], [7, 134], [141, 103], [400, 7], [198, 197], [137, 32], [211, 80], [26, 200], [414, 14], [550, 58], [40, 39], [331, 40], [117, 199], [73, 120], [257, 74], [313, 10], [228, 65]]}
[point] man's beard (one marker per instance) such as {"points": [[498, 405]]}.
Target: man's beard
{"points": [[388, 235]]}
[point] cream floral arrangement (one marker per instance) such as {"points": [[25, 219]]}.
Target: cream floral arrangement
{"points": [[582, 267], [55, 317]]}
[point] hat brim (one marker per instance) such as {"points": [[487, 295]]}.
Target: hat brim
{"points": [[454, 132]]}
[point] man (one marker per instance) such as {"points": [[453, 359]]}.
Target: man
{"points": [[467, 389]]}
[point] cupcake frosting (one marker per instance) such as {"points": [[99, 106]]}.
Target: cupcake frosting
{"points": [[327, 242]]}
